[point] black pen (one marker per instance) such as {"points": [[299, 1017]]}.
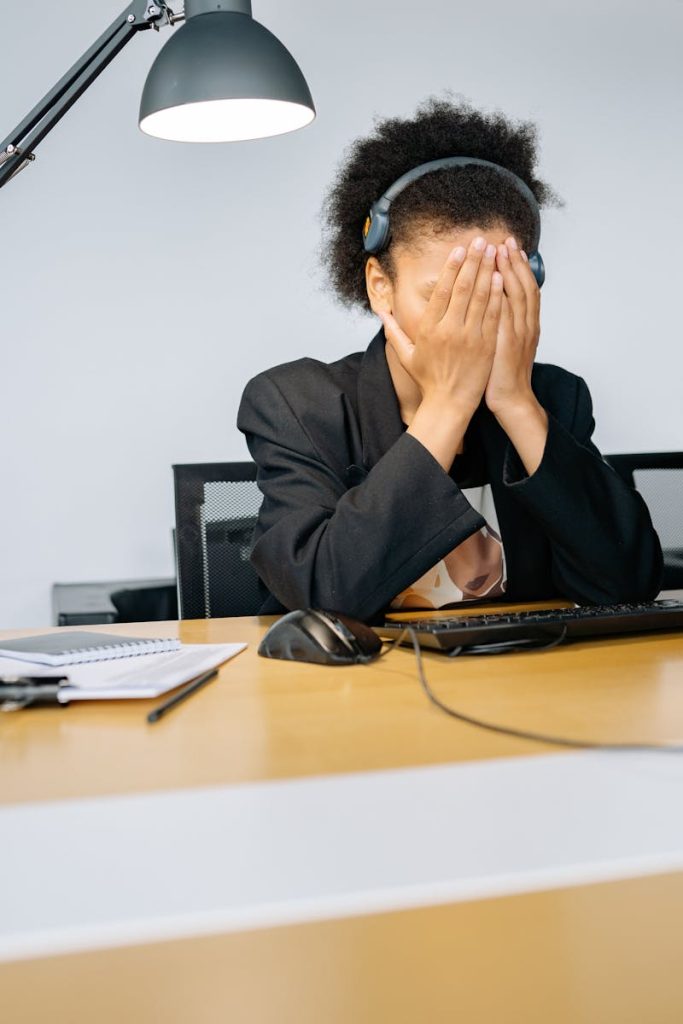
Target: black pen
{"points": [[196, 684]]}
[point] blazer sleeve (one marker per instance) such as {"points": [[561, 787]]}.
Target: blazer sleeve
{"points": [[319, 542], [604, 547]]}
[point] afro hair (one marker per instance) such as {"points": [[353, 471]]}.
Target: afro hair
{"points": [[438, 202]]}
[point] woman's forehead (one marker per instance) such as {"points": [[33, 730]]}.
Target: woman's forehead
{"points": [[424, 260]]}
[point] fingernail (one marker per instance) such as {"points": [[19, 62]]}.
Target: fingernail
{"points": [[490, 250], [524, 256], [502, 249], [458, 253], [479, 243], [511, 242]]}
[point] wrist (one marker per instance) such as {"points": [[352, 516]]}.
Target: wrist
{"points": [[444, 419], [440, 427], [517, 407], [452, 409], [526, 425]]}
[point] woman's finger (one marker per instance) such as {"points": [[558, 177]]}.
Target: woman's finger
{"points": [[443, 289], [533, 293], [531, 290], [505, 324], [397, 338], [494, 308], [482, 288], [514, 289], [464, 283]]}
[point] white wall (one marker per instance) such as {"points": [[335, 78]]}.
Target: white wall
{"points": [[144, 282]]}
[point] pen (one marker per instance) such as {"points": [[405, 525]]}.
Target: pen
{"points": [[18, 692], [186, 691], [31, 680]]}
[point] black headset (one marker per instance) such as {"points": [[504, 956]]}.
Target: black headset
{"points": [[376, 228]]}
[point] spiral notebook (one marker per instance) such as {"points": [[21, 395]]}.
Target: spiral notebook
{"points": [[76, 646]]}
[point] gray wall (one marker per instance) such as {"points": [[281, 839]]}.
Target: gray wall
{"points": [[144, 282]]}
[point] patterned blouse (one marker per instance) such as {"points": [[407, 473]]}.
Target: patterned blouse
{"points": [[473, 570]]}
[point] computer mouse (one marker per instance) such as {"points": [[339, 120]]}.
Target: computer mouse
{"points": [[326, 638]]}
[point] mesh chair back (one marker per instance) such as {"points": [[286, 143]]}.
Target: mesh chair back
{"points": [[658, 476], [217, 505]]}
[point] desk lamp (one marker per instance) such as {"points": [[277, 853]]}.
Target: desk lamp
{"points": [[222, 77]]}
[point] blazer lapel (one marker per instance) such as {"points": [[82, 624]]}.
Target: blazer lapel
{"points": [[378, 409]]}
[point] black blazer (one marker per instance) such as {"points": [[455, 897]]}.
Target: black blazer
{"points": [[355, 509]]}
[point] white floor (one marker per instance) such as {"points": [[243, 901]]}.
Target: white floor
{"points": [[81, 874]]}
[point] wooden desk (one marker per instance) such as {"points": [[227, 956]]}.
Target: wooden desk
{"points": [[604, 952]]}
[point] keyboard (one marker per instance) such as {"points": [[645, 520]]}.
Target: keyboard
{"points": [[525, 627]]}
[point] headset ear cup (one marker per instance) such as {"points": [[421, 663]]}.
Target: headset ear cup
{"points": [[378, 231], [537, 267]]}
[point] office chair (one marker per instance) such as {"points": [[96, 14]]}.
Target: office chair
{"points": [[658, 476], [216, 506]]}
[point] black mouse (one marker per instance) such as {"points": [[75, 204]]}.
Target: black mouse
{"points": [[326, 638]]}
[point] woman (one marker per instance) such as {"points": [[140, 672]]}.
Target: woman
{"points": [[442, 464]]}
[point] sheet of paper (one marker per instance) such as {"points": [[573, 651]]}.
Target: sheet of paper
{"points": [[145, 675]]}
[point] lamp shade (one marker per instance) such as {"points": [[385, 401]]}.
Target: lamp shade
{"points": [[223, 77]]}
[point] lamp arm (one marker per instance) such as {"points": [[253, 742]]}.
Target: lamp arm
{"points": [[16, 152]]}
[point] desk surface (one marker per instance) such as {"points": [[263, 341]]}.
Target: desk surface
{"points": [[265, 719], [600, 951]]}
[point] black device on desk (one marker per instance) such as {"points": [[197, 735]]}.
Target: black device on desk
{"points": [[329, 638], [495, 630], [325, 638]]}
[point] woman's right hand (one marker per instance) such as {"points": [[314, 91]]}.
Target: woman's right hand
{"points": [[450, 359]]}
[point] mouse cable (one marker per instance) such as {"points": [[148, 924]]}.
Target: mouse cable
{"points": [[519, 733]]}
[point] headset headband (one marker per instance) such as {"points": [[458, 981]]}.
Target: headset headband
{"points": [[376, 228]]}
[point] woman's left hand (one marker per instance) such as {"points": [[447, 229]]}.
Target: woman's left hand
{"points": [[509, 383]]}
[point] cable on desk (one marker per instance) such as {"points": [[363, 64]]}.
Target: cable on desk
{"points": [[520, 733]]}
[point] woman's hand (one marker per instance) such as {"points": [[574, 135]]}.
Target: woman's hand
{"points": [[509, 395], [509, 385], [450, 358]]}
